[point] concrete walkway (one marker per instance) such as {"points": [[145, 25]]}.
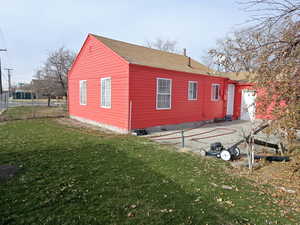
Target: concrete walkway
{"points": [[198, 139]]}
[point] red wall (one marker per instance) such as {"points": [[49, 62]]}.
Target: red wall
{"points": [[96, 61], [238, 98], [143, 97], [266, 111], [137, 84]]}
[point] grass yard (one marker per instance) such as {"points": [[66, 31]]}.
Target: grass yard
{"points": [[74, 176]]}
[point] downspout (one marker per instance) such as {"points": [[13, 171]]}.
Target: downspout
{"points": [[130, 116], [129, 102]]}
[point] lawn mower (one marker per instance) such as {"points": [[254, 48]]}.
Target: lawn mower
{"points": [[233, 152], [219, 151]]}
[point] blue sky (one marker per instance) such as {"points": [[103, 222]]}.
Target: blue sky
{"points": [[30, 29]]}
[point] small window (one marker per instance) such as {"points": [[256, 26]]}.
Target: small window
{"points": [[192, 91], [215, 92], [82, 92], [163, 93], [106, 92]]}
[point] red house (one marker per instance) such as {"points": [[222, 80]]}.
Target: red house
{"points": [[123, 87]]}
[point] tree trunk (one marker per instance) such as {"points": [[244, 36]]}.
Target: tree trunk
{"points": [[49, 101], [250, 148], [67, 102]]}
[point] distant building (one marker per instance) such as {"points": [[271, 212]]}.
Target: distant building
{"points": [[47, 88], [23, 94], [23, 91]]}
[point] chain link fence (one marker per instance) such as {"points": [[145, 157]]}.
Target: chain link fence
{"points": [[3, 102], [31, 108]]}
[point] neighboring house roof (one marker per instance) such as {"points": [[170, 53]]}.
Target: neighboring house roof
{"points": [[141, 55], [238, 76]]}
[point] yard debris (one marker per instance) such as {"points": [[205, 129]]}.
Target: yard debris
{"points": [[230, 203], [140, 132], [233, 152], [273, 158], [133, 206], [243, 163], [130, 214], [167, 210], [287, 190], [277, 175], [213, 184], [227, 187]]}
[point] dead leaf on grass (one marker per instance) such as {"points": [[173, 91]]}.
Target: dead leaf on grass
{"points": [[131, 214]]}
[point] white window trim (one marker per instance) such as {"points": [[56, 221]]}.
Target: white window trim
{"points": [[193, 82], [102, 79], [157, 79], [80, 83], [212, 93]]}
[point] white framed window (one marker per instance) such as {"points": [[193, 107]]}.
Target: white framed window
{"points": [[193, 90], [106, 92], [82, 92], [215, 92], [163, 93]]}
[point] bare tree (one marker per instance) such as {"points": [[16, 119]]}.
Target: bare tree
{"points": [[269, 50], [57, 66], [51, 79], [46, 86], [163, 45], [268, 13], [236, 52]]}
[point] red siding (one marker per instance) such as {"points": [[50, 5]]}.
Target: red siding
{"points": [[96, 61], [143, 98], [264, 111], [238, 98], [137, 84]]}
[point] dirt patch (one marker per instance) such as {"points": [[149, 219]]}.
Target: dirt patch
{"points": [[283, 178], [86, 128], [8, 171], [75, 123]]}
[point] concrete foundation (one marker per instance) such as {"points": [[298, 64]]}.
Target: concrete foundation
{"points": [[177, 126], [106, 126]]}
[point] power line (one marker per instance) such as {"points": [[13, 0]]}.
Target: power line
{"points": [[5, 58], [1, 90], [9, 81]]}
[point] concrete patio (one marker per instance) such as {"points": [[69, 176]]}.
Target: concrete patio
{"points": [[198, 139]]}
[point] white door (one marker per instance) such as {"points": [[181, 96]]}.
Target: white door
{"points": [[230, 99], [248, 105]]}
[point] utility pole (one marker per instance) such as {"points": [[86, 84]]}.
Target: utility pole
{"points": [[9, 81], [1, 90]]}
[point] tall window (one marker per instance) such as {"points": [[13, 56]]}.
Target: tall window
{"points": [[215, 92], [106, 92], [192, 92], [163, 93], [82, 92]]}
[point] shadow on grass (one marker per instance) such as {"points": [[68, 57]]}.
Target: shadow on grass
{"points": [[99, 184]]}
